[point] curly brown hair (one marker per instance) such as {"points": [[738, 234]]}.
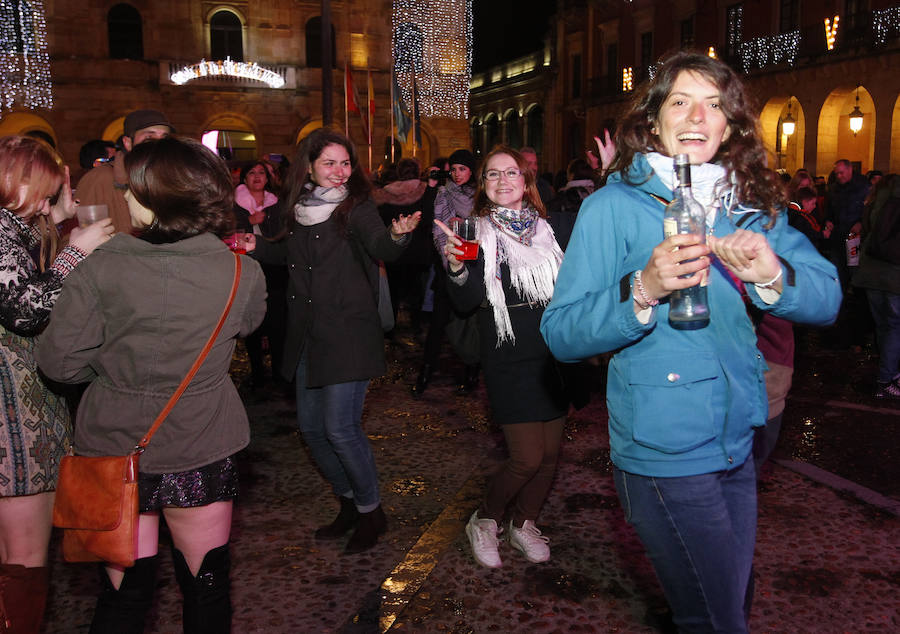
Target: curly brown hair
{"points": [[742, 154], [185, 185], [482, 205]]}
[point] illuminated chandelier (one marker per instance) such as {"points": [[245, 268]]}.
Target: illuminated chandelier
{"points": [[432, 51], [227, 68], [24, 61]]}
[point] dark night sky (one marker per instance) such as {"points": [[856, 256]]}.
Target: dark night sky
{"points": [[506, 29]]}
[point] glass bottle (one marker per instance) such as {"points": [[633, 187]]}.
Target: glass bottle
{"points": [[688, 309]]}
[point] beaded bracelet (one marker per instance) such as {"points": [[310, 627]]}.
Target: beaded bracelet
{"points": [[771, 282], [645, 300]]}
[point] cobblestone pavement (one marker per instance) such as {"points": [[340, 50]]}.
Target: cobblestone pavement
{"points": [[825, 562]]}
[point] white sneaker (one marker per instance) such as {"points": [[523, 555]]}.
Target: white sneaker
{"points": [[529, 540], [482, 536]]}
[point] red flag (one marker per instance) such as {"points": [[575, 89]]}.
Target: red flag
{"points": [[352, 101]]}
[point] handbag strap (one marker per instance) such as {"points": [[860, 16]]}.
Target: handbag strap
{"points": [[197, 363]]}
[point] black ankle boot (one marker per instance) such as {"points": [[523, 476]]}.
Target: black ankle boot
{"points": [[422, 380], [207, 596], [371, 525], [470, 379], [123, 611], [345, 520]]}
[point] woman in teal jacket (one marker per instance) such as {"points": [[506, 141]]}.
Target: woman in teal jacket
{"points": [[683, 403]]}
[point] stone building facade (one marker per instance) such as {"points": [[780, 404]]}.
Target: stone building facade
{"points": [[779, 46], [109, 58]]}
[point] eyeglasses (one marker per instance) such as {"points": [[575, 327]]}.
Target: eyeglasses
{"points": [[511, 174]]}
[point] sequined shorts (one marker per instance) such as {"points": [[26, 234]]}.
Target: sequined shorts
{"points": [[214, 482]]}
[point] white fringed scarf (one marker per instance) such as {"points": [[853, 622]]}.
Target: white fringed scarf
{"points": [[532, 269]]}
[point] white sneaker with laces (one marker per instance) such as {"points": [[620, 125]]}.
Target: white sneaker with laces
{"points": [[529, 540], [482, 534]]}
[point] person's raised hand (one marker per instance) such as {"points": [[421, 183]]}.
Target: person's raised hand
{"points": [[405, 224]]}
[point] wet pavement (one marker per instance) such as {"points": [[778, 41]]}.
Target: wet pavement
{"points": [[826, 560]]}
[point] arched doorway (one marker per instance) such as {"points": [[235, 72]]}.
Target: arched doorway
{"points": [[783, 127], [836, 140], [30, 124], [232, 137]]}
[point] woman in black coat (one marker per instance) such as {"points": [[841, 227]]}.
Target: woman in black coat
{"points": [[334, 342]]}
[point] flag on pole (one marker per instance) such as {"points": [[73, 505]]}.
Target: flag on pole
{"points": [[351, 98], [371, 117], [401, 114], [417, 121]]}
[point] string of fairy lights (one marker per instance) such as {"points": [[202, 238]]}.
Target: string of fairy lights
{"points": [[776, 49], [886, 24], [24, 60], [432, 53]]}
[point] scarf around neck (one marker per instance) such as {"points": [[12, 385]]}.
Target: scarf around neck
{"points": [[532, 268], [519, 224], [318, 204], [245, 199], [708, 181]]}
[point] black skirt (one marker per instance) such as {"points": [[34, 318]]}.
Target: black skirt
{"points": [[210, 483]]}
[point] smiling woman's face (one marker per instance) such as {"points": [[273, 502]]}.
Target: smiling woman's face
{"points": [[691, 120]]}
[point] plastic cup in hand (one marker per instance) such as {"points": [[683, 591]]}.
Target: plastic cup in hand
{"points": [[237, 242], [465, 229], [89, 214]]}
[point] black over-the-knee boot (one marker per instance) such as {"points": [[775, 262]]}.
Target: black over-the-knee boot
{"points": [[123, 611], [207, 597]]}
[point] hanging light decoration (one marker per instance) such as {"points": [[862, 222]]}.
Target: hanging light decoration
{"points": [[627, 79], [886, 24], [24, 61], [712, 52], [432, 47], [227, 68], [856, 115], [788, 125], [831, 29]]}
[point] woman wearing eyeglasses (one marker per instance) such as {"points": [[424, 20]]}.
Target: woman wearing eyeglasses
{"points": [[512, 280]]}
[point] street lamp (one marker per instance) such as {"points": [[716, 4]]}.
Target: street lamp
{"points": [[856, 116], [788, 125]]}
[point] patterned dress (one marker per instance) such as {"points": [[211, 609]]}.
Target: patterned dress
{"points": [[35, 428]]}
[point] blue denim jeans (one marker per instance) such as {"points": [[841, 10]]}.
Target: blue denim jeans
{"points": [[886, 314], [699, 532], [330, 419]]}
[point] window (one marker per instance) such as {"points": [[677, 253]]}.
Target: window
{"points": [[491, 131], [226, 37], [612, 67], [475, 134], [789, 19], [534, 125], [314, 43], [576, 76], [687, 32], [126, 38], [734, 29], [512, 136], [646, 53]]}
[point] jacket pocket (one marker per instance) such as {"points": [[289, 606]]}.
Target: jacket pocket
{"points": [[673, 402]]}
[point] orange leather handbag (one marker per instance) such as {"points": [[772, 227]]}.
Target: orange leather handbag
{"points": [[97, 497]]}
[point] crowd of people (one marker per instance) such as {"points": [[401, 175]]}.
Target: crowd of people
{"points": [[329, 255]]}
